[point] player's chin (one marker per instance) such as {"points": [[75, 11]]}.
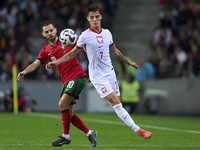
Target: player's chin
{"points": [[95, 25], [51, 39]]}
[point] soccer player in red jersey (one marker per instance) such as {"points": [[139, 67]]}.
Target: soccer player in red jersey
{"points": [[73, 81]]}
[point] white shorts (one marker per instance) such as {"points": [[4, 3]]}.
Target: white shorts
{"points": [[107, 85]]}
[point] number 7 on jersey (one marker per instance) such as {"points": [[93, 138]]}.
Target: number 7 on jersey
{"points": [[101, 54]]}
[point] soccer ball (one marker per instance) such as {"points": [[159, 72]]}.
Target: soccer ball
{"points": [[67, 37]]}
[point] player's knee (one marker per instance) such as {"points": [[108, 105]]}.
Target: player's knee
{"points": [[61, 105], [114, 102], [72, 114], [118, 106]]}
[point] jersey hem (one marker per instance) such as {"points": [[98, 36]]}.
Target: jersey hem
{"points": [[76, 97]]}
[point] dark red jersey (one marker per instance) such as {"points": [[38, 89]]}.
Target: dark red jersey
{"points": [[68, 70]]}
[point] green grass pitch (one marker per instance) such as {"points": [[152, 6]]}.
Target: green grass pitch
{"points": [[37, 131]]}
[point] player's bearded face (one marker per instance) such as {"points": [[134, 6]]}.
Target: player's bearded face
{"points": [[49, 32], [51, 38], [94, 19]]}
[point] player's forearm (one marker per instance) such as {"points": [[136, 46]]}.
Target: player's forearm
{"points": [[120, 56], [63, 59], [66, 57], [29, 69]]}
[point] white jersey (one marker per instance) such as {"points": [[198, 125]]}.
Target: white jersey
{"points": [[97, 49]]}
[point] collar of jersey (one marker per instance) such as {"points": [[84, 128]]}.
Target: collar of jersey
{"points": [[55, 44], [95, 31]]}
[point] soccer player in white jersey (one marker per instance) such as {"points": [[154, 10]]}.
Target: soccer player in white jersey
{"points": [[98, 42]]}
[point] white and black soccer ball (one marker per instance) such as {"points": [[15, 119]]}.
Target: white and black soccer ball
{"points": [[67, 37]]}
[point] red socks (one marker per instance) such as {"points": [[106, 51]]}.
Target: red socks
{"points": [[77, 122], [66, 118]]}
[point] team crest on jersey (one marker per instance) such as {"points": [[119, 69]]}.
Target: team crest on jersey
{"points": [[104, 90], [63, 48], [99, 39], [53, 58]]}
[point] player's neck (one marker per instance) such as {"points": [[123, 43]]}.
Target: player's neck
{"points": [[96, 29], [54, 42]]}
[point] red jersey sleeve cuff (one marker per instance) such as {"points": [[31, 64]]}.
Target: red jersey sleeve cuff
{"points": [[111, 44], [78, 47], [41, 60]]}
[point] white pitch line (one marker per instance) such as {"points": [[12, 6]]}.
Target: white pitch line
{"points": [[115, 123]]}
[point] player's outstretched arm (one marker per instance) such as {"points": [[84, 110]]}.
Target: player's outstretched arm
{"points": [[29, 69], [63, 59], [121, 57]]}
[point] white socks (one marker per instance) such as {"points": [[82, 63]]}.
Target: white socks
{"points": [[66, 136], [124, 115], [89, 132]]}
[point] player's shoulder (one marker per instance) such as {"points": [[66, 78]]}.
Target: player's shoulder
{"points": [[106, 31], [45, 47], [87, 31], [83, 34]]}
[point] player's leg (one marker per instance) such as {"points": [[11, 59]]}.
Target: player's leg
{"points": [[65, 113], [67, 97], [78, 123], [66, 118], [114, 100], [120, 111], [74, 89], [109, 89]]}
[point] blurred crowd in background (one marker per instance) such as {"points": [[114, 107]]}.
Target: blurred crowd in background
{"points": [[175, 43], [20, 30]]}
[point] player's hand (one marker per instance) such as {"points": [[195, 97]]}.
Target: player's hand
{"points": [[20, 75], [133, 65], [50, 65]]}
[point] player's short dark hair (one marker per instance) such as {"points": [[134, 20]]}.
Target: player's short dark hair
{"points": [[92, 8], [46, 23]]}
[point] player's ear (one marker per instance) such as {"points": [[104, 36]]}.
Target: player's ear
{"points": [[101, 17], [42, 34]]}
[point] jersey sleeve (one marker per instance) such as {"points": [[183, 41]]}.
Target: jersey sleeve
{"points": [[81, 41], [41, 56], [111, 38]]}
